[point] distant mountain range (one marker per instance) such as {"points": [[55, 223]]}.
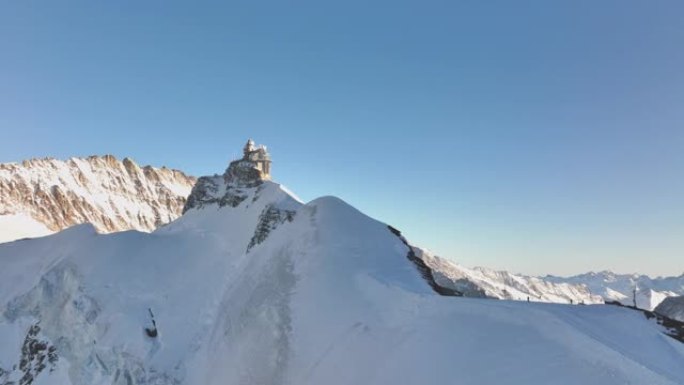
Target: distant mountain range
{"points": [[623, 287], [489, 283]]}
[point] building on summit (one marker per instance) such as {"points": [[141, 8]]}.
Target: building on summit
{"points": [[259, 156]]}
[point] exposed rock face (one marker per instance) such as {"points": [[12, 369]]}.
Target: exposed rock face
{"points": [[35, 356], [111, 194], [672, 307], [425, 271], [230, 189], [271, 217]]}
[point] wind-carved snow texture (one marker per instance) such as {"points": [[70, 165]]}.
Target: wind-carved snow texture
{"points": [[269, 220]]}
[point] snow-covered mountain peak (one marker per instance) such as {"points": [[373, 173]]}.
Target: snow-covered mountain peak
{"points": [[245, 194], [243, 205], [46, 195], [241, 180]]}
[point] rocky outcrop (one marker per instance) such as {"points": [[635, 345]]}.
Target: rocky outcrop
{"points": [[243, 173], [35, 356], [672, 307], [111, 194], [271, 217], [424, 270], [218, 190], [230, 189]]}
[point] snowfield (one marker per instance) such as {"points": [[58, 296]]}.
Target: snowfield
{"points": [[19, 226], [269, 290]]}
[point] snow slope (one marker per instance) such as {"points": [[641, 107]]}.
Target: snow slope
{"points": [[489, 283], [18, 226], [620, 287], [113, 195], [269, 290]]}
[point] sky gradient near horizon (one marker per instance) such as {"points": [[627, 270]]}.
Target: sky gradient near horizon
{"points": [[535, 136]]}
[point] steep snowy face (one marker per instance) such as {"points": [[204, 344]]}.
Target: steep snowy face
{"points": [[672, 307], [487, 283], [48, 195], [621, 287]]}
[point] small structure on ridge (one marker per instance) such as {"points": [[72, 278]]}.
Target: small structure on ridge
{"points": [[259, 156]]}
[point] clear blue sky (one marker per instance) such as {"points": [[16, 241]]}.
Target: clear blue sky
{"points": [[535, 136]]}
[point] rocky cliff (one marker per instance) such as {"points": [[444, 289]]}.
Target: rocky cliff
{"points": [[111, 194], [231, 188]]}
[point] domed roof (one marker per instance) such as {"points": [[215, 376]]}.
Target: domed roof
{"points": [[249, 147]]}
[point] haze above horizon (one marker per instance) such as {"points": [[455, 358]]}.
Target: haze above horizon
{"points": [[538, 137]]}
